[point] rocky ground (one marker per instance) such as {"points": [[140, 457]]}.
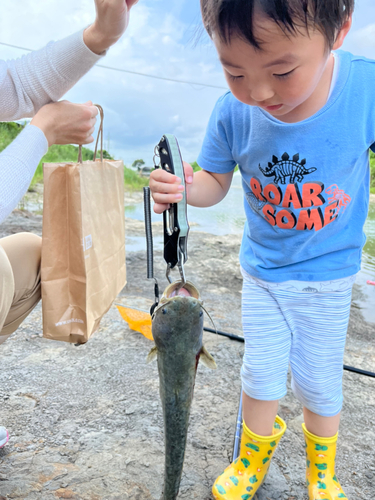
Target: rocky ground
{"points": [[86, 422]]}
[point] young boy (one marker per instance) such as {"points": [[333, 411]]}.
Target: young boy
{"points": [[299, 122]]}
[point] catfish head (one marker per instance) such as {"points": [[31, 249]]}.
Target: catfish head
{"points": [[177, 324]]}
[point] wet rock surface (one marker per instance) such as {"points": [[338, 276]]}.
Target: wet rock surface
{"points": [[86, 422]]}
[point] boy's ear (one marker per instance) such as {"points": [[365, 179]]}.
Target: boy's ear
{"points": [[342, 34]]}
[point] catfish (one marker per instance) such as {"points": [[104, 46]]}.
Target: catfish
{"points": [[177, 328]]}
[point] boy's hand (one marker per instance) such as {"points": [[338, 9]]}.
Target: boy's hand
{"points": [[166, 188], [66, 123], [112, 19]]}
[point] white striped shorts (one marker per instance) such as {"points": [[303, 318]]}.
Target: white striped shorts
{"points": [[304, 329]]}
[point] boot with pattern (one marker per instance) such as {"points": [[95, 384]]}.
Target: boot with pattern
{"points": [[242, 479], [321, 480]]}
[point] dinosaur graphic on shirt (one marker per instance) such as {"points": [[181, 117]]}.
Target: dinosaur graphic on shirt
{"points": [[301, 205], [281, 169]]}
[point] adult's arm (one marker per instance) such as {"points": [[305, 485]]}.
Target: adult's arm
{"points": [[43, 76], [18, 163], [26, 85], [56, 123]]}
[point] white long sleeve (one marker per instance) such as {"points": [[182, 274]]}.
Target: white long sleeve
{"points": [[43, 76], [18, 163], [27, 84]]}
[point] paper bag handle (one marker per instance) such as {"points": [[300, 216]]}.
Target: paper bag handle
{"points": [[100, 134]]}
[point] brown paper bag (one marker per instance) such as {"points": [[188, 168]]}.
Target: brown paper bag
{"points": [[83, 245]]}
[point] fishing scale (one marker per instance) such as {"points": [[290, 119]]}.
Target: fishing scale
{"points": [[167, 156]]}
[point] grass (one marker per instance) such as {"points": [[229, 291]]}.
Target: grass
{"points": [[372, 167], [196, 167], [8, 132], [133, 182], [65, 154], [61, 154]]}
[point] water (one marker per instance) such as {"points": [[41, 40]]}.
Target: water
{"points": [[367, 272], [228, 217]]}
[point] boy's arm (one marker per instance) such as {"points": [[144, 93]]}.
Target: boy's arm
{"points": [[208, 188], [204, 188], [210, 185], [44, 76]]}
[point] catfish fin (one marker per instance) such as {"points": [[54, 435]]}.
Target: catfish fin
{"points": [[207, 359], [152, 354]]}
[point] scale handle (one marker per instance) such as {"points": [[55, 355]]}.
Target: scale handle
{"points": [[176, 226]]}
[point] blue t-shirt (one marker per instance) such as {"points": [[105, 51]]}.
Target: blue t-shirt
{"points": [[306, 184]]}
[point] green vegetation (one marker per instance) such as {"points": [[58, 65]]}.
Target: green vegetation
{"points": [[138, 163], [372, 167], [8, 132], [65, 154], [195, 166], [133, 182]]}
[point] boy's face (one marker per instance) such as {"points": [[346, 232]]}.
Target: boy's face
{"points": [[289, 78]]}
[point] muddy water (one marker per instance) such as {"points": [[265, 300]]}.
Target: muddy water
{"points": [[228, 217]]}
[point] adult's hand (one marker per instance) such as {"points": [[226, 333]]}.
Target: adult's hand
{"points": [[66, 123], [112, 19]]}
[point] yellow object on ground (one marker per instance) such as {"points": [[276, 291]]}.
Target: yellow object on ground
{"points": [[321, 480], [242, 479], [138, 320]]}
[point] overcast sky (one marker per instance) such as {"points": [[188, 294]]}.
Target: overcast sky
{"points": [[159, 41]]}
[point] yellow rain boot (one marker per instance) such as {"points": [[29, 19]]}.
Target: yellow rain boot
{"points": [[321, 480], [242, 479]]}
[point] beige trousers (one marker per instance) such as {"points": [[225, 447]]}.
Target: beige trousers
{"points": [[20, 256]]}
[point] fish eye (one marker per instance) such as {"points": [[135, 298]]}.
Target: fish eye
{"points": [[164, 311], [201, 314]]}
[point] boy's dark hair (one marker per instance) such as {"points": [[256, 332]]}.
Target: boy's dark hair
{"points": [[228, 18]]}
